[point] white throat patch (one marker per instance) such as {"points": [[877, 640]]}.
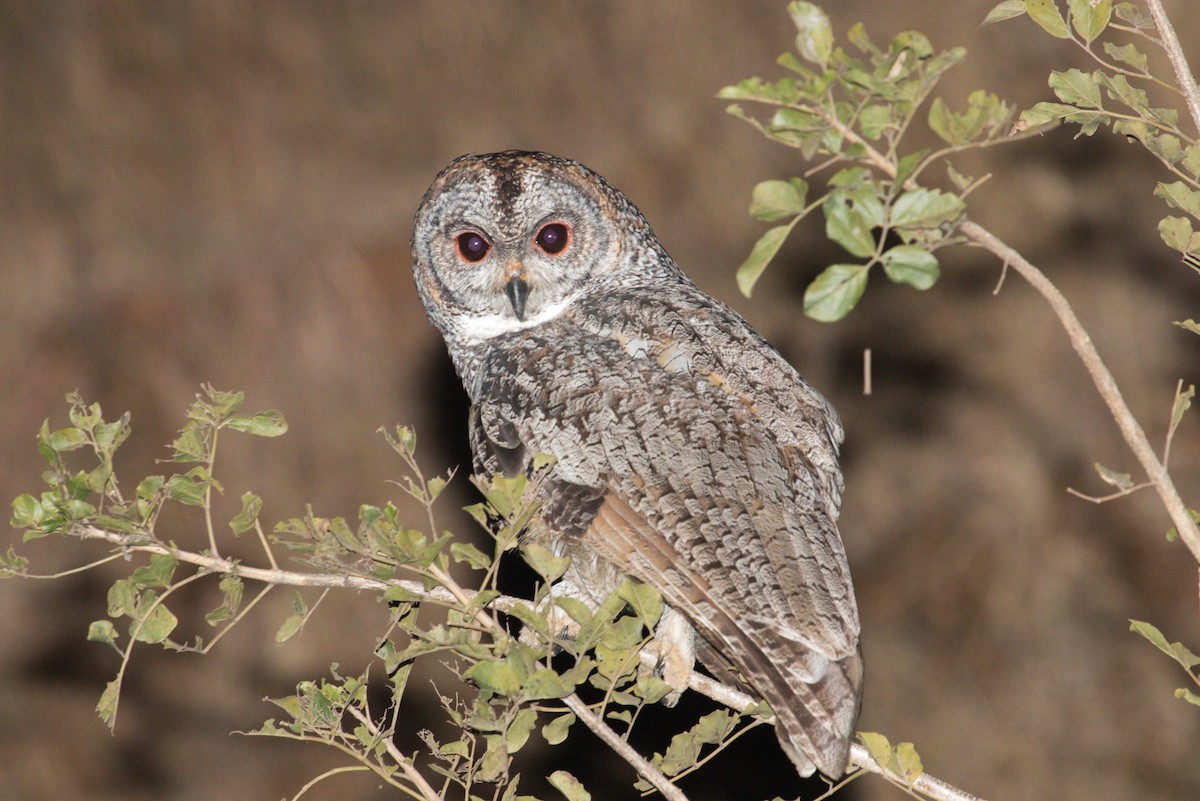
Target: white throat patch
{"points": [[487, 326]]}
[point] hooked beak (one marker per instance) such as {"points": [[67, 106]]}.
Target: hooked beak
{"points": [[517, 289]]}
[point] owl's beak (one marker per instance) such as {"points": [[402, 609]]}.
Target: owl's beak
{"points": [[517, 289]]}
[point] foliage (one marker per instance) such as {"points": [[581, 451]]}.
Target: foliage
{"points": [[851, 113], [854, 109], [523, 686]]}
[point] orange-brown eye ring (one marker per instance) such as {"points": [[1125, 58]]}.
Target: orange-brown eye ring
{"points": [[471, 246], [553, 238]]}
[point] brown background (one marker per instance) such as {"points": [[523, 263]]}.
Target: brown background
{"points": [[222, 192]]}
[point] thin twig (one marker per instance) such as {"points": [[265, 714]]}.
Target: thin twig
{"points": [[410, 771], [1183, 73], [709, 687], [1099, 499], [623, 749], [1131, 430], [1081, 341]]}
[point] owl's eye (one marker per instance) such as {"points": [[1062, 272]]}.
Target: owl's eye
{"points": [[471, 246], [553, 238]]}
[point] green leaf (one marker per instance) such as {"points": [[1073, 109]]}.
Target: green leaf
{"points": [[1183, 402], [764, 250], [264, 424], [156, 624], [834, 292], [847, 225], [1090, 17], [244, 520], [295, 622], [496, 677], [67, 439], [925, 208], [1179, 196], [495, 759], [519, 730], [877, 746], [1126, 54], [101, 631], [1188, 695], [908, 761], [466, 552], [1176, 651], [814, 37], [156, 574], [1129, 12], [1122, 481], [556, 730], [874, 120], [1166, 146], [13, 565], [644, 600], [530, 618], [1046, 14], [1004, 10], [27, 511], [1043, 114], [569, 786], [682, 753], [1076, 87], [543, 562], [191, 445], [1119, 88], [715, 726], [1176, 232], [912, 265], [1188, 325], [231, 592], [545, 684], [187, 488], [576, 609], [1191, 160], [776, 200], [122, 598], [107, 706]]}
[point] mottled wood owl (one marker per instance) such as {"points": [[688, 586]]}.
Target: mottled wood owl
{"points": [[689, 454]]}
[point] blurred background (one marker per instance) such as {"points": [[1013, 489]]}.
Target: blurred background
{"points": [[218, 191]]}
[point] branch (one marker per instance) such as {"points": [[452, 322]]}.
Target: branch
{"points": [[721, 693], [1131, 430], [1183, 73]]}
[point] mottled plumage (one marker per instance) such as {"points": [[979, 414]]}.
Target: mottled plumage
{"points": [[690, 455]]}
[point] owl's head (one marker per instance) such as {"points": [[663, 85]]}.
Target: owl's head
{"points": [[507, 241]]}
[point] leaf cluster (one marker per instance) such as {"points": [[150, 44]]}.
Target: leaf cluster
{"points": [[851, 109], [522, 666], [1117, 95]]}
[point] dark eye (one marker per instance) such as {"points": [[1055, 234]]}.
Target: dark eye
{"points": [[471, 246], [553, 238]]}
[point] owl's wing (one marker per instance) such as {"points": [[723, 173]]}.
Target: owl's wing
{"points": [[671, 466]]}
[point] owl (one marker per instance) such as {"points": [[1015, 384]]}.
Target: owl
{"points": [[688, 454]]}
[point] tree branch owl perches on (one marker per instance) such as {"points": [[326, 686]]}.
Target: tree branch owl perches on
{"points": [[689, 454]]}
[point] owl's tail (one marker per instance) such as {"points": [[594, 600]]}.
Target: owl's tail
{"points": [[815, 721]]}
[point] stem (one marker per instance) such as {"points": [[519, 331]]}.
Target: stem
{"points": [[1183, 73], [410, 771], [711, 688], [212, 458], [1131, 430], [623, 749]]}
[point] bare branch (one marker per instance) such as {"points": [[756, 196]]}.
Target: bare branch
{"points": [[709, 687], [410, 771], [1183, 73], [1131, 430], [1081, 341]]}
